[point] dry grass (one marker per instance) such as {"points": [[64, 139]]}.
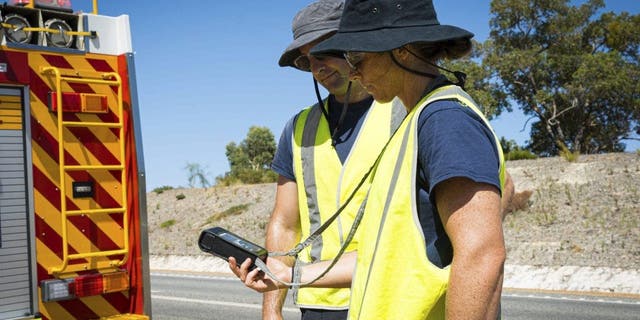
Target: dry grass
{"points": [[520, 201], [582, 213]]}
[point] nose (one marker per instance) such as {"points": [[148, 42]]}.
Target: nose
{"points": [[316, 64]]}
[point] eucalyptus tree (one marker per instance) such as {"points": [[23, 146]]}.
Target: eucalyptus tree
{"points": [[573, 69]]}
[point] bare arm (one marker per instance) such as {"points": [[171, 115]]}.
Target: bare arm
{"points": [[471, 216], [338, 277], [283, 232]]}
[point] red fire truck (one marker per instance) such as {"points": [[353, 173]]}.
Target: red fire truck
{"points": [[73, 238]]}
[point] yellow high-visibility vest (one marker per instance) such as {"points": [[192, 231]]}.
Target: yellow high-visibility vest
{"points": [[394, 278], [324, 183]]}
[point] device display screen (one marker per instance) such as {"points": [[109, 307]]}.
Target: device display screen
{"points": [[239, 242]]}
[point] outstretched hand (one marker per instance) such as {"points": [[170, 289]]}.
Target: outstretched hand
{"points": [[256, 279]]}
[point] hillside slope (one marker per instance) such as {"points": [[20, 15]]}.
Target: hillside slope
{"points": [[585, 213]]}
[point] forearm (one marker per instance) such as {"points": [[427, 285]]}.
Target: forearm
{"points": [[471, 215], [282, 234], [278, 239], [272, 303], [339, 276], [471, 296]]}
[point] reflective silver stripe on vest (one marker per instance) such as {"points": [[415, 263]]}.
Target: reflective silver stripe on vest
{"points": [[308, 174], [392, 187], [398, 114], [309, 134]]}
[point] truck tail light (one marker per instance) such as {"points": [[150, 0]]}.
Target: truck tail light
{"points": [[84, 286], [79, 102], [116, 281], [88, 285]]}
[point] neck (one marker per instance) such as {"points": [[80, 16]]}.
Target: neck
{"points": [[413, 90], [412, 83]]}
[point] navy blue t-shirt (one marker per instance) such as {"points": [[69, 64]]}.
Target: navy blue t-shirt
{"points": [[345, 137], [453, 141]]}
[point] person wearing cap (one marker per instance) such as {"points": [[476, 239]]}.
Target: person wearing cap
{"points": [[430, 244], [324, 150]]}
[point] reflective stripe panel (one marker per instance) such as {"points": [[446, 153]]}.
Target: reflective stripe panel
{"points": [[308, 168], [398, 114], [333, 182], [392, 187], [82, 146]]}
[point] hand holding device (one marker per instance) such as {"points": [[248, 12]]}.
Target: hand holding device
{"points": [[224, 244]]}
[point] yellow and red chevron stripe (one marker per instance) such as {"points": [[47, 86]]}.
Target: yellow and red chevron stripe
{"points": [[82, 146]]}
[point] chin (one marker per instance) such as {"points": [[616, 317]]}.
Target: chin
{"points": [[381, 99], [335, 82]]}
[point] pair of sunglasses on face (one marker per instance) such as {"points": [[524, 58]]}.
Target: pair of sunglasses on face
{"points": [[303, 63]]}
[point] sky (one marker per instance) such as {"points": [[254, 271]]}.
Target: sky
{"points": [[207, 71]]}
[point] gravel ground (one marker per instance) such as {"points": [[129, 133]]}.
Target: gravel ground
{"points": [[584, 213], [578, 230]]}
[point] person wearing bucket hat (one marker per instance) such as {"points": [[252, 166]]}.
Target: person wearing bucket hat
{"points": [[445, 152], [348, 133], [430, 243]]}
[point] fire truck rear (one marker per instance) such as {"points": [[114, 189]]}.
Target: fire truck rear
{"points": [[73, 238]]}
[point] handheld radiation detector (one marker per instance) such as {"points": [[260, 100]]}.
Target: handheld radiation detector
{"points": [[224, 244]]}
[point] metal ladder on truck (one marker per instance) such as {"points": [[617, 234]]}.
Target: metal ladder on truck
{"points": [[111, 79]]}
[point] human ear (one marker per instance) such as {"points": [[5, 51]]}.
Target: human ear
{"points": [[401, 53]]}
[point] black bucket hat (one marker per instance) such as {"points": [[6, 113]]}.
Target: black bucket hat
{"points": [[312, 23], [383, 25]]}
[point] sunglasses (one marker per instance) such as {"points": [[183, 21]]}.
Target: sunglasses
{"points": [[302, 62], [353, 58]]}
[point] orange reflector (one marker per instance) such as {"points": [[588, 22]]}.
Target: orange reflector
{"points": [[116, 281], [79, 102], [96, 103]]}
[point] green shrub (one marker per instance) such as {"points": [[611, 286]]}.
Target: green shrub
{"points": [[227, 181], [519, 154], [235, 210], [162, 189], [512, 151], [167, 223], [180, 196], [571, 156], [247, 176]]}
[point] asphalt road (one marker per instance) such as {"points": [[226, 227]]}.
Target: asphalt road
{"points": [[183, 297], [187, 297]]}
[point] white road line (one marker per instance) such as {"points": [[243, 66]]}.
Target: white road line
{"points": [[194, 276], [513, 295], [218, 303], [546, 297]]}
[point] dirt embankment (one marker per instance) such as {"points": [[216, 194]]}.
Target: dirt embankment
{"points": [[583, 213]]}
